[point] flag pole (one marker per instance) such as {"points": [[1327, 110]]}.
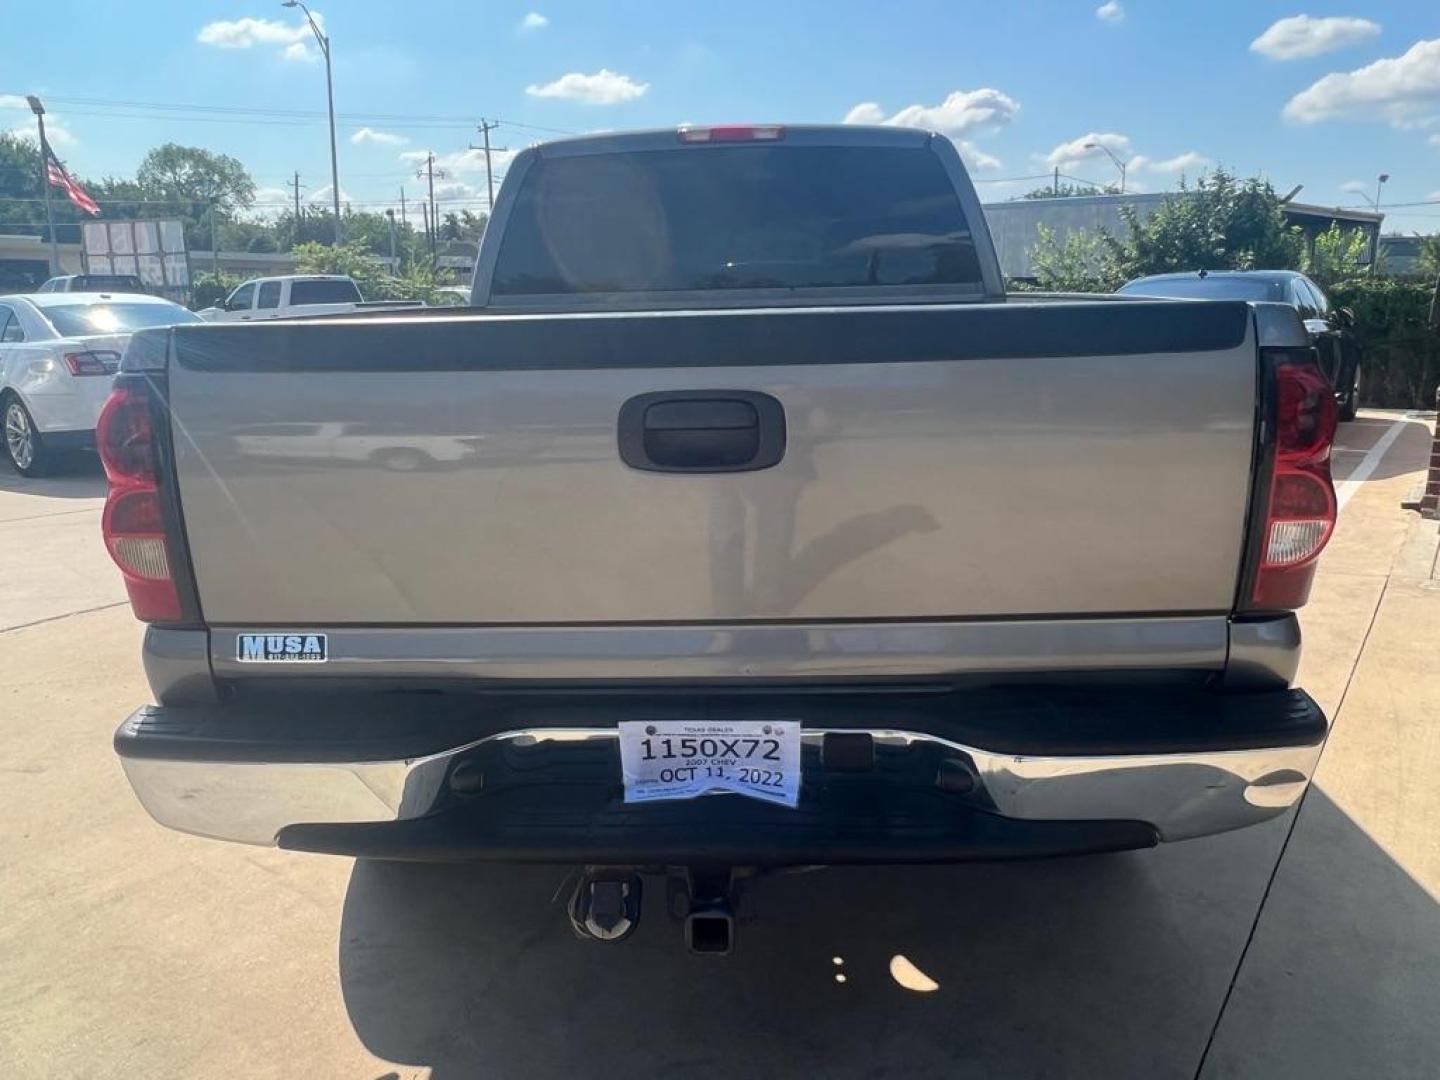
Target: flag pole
{"points": [[39, 110]]}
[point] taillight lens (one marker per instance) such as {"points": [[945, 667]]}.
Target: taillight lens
{"points": [[92, 363], [133, 523], [1301, 512], [124, 436]]}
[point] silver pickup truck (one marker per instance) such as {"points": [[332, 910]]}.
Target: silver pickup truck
{"points": [[743, 521]]}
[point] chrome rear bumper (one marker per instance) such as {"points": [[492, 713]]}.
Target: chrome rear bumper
{"points": [[1179, 795]]}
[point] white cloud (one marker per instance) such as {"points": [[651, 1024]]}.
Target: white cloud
{"points": [[1086, 147], [975, 158], [382, 138], [321, 195], [56, 131], [605, 87], [867, 112], [294, 38], [465, 162], [271, 202], [1355, 187], [450, 190], [1110, 12], [1434, 140], [1398, 89], [1300, 36], [534, 21], [1189, 160], [962, 112]]}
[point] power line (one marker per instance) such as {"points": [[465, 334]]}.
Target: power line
{"points": [[114, 108]]}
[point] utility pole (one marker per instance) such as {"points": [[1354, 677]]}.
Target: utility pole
{"points": [[403, 219], [390, 214], [297, 201], [487, 126], [39, 110], [428, 174], [1055, 186], [214, 242]]}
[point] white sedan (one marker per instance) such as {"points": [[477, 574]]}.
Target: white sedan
{"points": [[58, 356]]}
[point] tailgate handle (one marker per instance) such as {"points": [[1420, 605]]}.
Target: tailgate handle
{"points": [[701, 431]]}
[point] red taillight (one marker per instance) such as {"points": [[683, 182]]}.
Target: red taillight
{"points": [[92, 363], [1301, 513], [133, 523], [732, 133], [124, 435]]}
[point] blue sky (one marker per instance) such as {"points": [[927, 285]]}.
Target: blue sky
{"points": [[1325, 95]]}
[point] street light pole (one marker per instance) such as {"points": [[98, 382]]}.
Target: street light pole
{"points": [[1375, 249], [39, 110], [324, 43], [1121, 165]]}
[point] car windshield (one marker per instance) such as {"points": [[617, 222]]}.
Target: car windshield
{"points": [[324, 292], [1209, 288], [80, 320], [743, 217]]}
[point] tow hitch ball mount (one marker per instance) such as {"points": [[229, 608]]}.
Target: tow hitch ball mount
{"points": [[605, 904]]}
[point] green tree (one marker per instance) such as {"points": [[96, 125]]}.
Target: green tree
{"points": [[356, 260], [1337, 254], [1078, 263], [1429, 263], [1066, 190], [22, 198], [188, 173], [1222, 223], [202, 188]]}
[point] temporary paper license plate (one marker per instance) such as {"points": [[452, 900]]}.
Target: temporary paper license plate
{"points": [[679, 759]]}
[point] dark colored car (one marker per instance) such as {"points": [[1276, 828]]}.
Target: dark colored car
{"points": [[1331, 329]]}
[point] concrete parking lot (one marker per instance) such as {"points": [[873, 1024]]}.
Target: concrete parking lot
{"points": [[1309, 946]]}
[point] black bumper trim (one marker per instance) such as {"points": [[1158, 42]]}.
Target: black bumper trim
{"points": [[1033, 720]]}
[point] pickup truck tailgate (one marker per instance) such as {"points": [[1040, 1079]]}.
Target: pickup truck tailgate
{"points": [[960, 460]]}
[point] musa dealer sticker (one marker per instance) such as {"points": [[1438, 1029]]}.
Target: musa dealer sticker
{"points": [[280, 648]]}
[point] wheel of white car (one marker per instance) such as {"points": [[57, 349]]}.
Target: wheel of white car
{"points": [[23, 443]]}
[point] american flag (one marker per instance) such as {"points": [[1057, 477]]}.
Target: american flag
{"points": [[58, 177]]}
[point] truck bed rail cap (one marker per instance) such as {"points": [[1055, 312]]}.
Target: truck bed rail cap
{"points": [[147, 350]]}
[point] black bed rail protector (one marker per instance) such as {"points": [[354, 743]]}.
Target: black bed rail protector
{"points": [[742, 338]]}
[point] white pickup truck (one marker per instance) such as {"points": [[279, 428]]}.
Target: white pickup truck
{"points": [[295, 295]]}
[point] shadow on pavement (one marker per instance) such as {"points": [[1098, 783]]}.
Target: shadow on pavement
{"points": [[1112, 966], [1409, 452], [76, 476], [1343, 976], [1069, 967]]}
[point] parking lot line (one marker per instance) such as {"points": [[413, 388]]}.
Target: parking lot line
{"points": [[1368, 464]]}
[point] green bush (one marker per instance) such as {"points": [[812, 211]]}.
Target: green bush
{"points": [[374, 279], [210, 289], [1400, 353]]}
